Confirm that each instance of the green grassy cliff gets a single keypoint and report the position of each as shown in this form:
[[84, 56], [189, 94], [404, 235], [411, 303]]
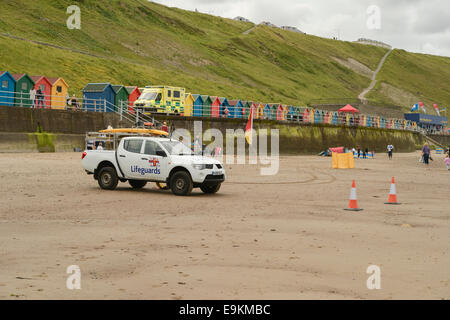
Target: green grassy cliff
[[139, 43]]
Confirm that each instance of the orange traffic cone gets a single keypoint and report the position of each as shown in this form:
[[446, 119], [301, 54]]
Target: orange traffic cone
[[353, 203], [392, 194]]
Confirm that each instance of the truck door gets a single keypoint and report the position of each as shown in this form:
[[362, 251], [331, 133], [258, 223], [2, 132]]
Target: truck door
[[129, 157], [154, 162]]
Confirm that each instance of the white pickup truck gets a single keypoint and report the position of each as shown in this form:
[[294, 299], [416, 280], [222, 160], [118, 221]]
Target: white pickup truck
[[139, 160]]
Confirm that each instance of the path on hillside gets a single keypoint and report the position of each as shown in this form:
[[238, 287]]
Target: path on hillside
[[249, 30], [363, 94]]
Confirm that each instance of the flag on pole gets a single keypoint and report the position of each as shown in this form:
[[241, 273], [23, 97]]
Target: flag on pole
[[249, 127], [437, 109], [422, 106], [415, 107]]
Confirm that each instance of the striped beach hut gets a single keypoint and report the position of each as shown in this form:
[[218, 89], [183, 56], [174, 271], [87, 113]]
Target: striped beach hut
[[260, 111], [197, 107], [7, 88], [290, 112], [236, 107], [267, 111], [273, 110], [41, 82], [362, 120], [215, 107], [296, 114], [306, 115], [280, 112], [326, 117], [24, 84], [285, 111], [245, 111], [335, 118], [207, 105], [224, 107], [188, 104], [59, 93], [317, 116]]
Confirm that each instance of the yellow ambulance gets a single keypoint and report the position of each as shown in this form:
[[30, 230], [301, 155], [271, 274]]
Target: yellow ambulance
[[161, 99]]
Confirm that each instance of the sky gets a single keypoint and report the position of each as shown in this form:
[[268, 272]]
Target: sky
[[414, 25]]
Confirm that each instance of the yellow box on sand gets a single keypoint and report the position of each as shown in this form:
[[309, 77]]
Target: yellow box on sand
[[342, 160]]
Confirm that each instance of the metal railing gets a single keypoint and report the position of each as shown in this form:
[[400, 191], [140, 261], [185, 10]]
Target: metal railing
[[276, 112]]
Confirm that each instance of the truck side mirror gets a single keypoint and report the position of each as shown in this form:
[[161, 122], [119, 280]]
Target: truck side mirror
[[161, 153]]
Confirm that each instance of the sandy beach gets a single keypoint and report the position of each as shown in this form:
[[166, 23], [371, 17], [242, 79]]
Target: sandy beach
[[280, 237]]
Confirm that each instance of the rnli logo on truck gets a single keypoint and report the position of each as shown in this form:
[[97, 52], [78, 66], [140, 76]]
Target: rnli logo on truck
[[154, 162]]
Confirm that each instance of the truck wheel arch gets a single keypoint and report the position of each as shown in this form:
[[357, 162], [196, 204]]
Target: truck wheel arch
[[176, 169], [101, 165]]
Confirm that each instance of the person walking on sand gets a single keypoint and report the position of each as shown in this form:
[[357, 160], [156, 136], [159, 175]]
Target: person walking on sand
[[447, 162], [390, 148], [426, 154]]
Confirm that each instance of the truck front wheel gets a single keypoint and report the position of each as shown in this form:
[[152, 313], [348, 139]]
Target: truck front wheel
[[210, 189], [137, 184], [181, 183], [107, 178]]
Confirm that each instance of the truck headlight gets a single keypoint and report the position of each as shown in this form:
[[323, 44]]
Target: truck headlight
[[199, 166]]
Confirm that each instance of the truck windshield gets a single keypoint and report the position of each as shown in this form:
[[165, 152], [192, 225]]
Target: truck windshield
[[148, 96], [176, 148]]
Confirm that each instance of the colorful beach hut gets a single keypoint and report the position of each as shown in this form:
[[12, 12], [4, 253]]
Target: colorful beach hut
[[41, 82], [290, 113], [260, 111], [207, 105], [197, 107], [306, 115], [24, 84], [120, 97], [98, 97], [59, 93], [279, 113], [224, 107], [285, 112], [7, 89], [188, 105], [317, 116], [335, 118], [236, 107], [215, 107], [245, 111], [326, 117], [273, 111], [267, 111]]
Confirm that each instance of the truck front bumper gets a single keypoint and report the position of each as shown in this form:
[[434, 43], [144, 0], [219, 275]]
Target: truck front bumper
[[214, 179]]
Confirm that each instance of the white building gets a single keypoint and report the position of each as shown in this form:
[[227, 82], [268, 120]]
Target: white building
[[374, 43], [269, 24], [294, 29], [239, 18]]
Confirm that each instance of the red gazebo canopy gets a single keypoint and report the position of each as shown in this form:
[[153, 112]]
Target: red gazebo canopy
[[348, 109]]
